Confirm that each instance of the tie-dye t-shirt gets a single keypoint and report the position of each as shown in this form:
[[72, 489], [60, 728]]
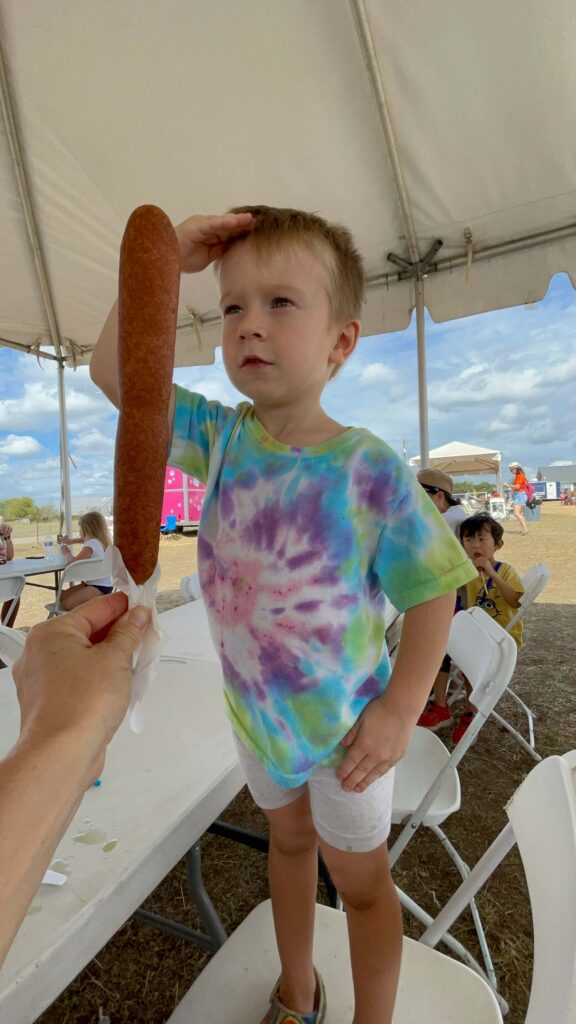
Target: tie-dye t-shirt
[[297, 548]]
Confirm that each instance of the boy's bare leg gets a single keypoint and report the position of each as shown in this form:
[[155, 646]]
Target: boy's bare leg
[[293, 875], [374, 928]]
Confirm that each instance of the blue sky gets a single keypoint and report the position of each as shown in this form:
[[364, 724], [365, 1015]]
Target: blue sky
[[503, 380]]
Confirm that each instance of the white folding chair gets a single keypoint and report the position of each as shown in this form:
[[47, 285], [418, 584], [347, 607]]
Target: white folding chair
[[234, 987], [534, 580], [85, 571], [427, 787], [10, 589], [11, 644], [190, 587]]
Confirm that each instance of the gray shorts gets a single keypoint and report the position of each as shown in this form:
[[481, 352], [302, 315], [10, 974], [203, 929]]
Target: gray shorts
[[354, 822]]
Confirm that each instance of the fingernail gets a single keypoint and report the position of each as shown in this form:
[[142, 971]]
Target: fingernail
[[139, 616]]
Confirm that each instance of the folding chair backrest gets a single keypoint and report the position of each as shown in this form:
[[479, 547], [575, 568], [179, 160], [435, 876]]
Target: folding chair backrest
[[11, 644], [485, 653], [11, 586], [543, 816], [190, 587], [534, 580], [85, 570], [10, 589]]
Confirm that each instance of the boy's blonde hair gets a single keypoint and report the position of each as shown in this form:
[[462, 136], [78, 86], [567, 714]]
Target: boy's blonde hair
[[332, 242], [94, 527]]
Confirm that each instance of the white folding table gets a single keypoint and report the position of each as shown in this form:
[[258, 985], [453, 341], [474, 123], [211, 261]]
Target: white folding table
[[160, 791], [35, 566]]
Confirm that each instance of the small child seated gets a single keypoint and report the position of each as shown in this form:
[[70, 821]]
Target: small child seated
[[95, 538], [497, 589]]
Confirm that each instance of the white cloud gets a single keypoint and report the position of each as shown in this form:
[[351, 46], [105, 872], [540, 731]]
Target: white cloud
[[37, 408], [375, 374], [20, 446], [561, 462], [92, 442]]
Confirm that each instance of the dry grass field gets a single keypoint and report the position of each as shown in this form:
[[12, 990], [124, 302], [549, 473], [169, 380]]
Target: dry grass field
[[141, 974]]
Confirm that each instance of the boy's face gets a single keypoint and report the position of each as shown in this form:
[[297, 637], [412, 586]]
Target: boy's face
[[481, 546], [278, 342]]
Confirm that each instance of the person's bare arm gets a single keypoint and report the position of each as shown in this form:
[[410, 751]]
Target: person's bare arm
[[82, 555], [202, 240], [64, 733], [380, 737]]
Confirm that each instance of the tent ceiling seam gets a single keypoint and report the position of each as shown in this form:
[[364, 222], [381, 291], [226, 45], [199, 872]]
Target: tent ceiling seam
[[18, 164], [369, 52]]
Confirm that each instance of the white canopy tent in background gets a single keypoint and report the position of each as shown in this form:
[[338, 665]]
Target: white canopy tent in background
[[458, 458], [441, 133]]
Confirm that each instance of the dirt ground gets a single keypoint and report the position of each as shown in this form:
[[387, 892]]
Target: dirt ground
[[141, 974]]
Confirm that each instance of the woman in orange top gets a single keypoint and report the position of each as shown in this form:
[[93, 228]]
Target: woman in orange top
[[520, 495]]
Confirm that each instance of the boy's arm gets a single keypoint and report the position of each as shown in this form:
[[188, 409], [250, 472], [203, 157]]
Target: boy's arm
[[510, 595], [202, 240], [380, 737]]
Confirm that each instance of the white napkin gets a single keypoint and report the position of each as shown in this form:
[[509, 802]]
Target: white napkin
[[147, 655], [54, 878]]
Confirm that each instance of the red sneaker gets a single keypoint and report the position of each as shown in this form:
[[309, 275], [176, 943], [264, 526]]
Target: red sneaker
[[466, 718], [435, 717]]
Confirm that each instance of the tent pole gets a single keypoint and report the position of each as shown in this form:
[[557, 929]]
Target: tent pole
[[422, 382], [64, 456]]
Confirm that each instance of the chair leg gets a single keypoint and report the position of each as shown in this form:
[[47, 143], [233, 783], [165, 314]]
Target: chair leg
[[513, 732], [464, 872], [529, 715], [464, 954]]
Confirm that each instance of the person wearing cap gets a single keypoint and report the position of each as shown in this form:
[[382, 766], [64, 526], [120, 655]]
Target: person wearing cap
[[519, 486], [439, 487]]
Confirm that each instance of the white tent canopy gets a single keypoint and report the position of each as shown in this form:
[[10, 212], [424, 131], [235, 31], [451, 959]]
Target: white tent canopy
[[458, 458], [441, 133]]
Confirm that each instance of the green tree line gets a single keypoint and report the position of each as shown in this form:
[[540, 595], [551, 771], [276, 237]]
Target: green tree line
[[473, 485], [13, 509]]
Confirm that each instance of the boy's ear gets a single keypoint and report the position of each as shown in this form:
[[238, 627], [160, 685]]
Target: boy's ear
[[346, 342], [498, 544]]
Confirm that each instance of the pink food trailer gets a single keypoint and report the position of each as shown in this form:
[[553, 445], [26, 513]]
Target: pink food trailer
[[183, 498]]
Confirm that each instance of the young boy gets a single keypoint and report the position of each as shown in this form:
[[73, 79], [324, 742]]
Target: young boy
[[497, 587], [306, 525]]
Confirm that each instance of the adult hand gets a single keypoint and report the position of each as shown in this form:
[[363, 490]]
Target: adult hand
[[75, 673], [376, 742], [203, 239]]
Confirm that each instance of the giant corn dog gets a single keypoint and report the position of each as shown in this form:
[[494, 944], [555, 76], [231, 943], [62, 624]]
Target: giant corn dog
[[147, 313]]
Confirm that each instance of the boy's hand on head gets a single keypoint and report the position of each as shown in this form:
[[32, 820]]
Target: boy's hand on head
[[376, 742], [203, 239]]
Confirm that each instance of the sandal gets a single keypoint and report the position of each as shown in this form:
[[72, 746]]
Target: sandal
[[280, 1014]]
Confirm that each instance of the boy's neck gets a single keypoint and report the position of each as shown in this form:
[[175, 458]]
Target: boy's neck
[[297, 426]]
